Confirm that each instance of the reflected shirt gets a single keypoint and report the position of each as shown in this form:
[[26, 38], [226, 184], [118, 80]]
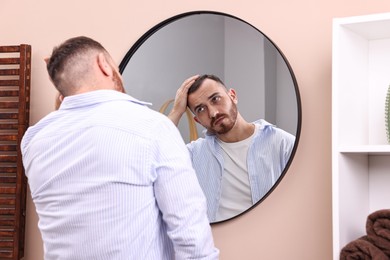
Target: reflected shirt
[[267, 157], [112, 179], [235, 189]]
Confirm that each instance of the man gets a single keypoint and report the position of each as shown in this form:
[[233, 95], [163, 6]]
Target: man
[[237, 162], [110, 178]]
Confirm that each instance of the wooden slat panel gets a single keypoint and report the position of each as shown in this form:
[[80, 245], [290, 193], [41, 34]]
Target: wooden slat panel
[[7, 221], [14, 120], [8, 147], [24, 116], [7, 211], [6, 254], [7, 189], [8, 104], [10, 137], [4, 61], [15, 48], [8, 169], [6, 242], [6, 233], [8, 158], [9, 115], [9, 83], [24, 92], [6, 251], [8, 93], [7, 200], [9, 72], [7, 179], [8, 124]]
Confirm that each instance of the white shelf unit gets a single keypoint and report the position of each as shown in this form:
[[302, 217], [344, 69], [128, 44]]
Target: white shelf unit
[[360, 152]]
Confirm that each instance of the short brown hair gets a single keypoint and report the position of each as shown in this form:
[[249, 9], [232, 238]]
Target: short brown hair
[[67, 53], [198, 82]]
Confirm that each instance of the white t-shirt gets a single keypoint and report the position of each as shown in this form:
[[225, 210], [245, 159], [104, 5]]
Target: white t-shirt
[[236, 192]]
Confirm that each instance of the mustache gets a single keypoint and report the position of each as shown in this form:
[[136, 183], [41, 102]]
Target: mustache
[[216, 118]]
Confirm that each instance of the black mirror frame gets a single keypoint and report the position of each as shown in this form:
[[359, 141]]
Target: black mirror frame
[[162, 24]]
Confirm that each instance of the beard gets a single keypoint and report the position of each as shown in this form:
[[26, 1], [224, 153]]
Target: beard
[[224, 127]]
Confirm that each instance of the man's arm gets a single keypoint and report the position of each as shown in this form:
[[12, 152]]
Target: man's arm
[[180, 198], [180, 105]]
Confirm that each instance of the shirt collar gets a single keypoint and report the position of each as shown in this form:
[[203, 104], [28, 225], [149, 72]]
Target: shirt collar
[[95, 97]]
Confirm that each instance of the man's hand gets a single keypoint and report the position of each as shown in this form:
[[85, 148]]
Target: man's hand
[[180, 105]]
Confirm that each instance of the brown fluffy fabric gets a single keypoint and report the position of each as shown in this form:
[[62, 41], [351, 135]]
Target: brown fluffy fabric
[[378, 229], [362, 249]]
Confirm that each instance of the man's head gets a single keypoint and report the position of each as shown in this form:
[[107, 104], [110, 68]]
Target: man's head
[[214, 106], [79, 62]]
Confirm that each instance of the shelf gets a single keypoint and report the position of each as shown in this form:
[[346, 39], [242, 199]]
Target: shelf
[[360, 151], [373, 27], [366, 149]]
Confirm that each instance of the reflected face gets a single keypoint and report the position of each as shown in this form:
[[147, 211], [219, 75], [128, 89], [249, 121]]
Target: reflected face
[[214, 107]]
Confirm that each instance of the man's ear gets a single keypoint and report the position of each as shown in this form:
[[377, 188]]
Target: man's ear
[[196, 119], [103, 64], [46, 60], [59, 99], [233, 95]]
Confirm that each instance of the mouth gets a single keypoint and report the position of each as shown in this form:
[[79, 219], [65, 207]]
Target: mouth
[[218, 120]]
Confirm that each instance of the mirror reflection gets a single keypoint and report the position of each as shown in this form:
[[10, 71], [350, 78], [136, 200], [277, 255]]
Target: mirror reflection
[[247, 117]]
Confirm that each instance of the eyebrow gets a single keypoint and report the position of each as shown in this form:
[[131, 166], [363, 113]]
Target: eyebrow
[[210, 97]]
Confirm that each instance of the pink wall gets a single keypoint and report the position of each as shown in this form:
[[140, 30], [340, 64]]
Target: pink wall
[[294, 222]]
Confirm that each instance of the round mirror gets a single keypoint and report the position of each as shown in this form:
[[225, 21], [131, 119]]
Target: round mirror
[[244, 58]]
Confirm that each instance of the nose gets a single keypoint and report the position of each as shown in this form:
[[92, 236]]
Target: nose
[[213, 112]]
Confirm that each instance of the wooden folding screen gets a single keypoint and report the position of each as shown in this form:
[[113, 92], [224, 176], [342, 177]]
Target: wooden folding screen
[[15, 73]]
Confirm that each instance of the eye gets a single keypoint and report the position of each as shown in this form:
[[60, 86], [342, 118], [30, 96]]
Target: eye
[[216, 99], [199, 110]]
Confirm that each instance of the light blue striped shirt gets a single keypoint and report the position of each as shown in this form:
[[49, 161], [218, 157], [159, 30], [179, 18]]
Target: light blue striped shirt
[[268, 155], [112, 179]]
